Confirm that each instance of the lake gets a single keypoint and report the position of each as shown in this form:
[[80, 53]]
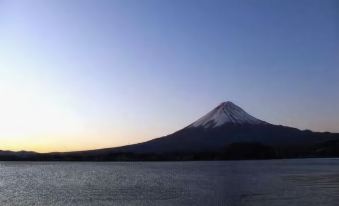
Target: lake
[[267, 182]]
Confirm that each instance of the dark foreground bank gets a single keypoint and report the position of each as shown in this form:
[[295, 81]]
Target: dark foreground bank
[[235, 151]]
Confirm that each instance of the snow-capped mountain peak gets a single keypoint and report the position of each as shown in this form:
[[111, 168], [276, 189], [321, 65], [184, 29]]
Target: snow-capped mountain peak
[[226, 113]]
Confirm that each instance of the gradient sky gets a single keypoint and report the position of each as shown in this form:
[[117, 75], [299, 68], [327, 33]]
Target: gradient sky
[[77, 74]]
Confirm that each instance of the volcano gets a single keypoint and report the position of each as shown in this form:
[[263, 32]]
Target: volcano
[[226, 127], [226, 132]]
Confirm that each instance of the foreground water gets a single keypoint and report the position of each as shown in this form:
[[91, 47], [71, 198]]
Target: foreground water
[[272, 182]]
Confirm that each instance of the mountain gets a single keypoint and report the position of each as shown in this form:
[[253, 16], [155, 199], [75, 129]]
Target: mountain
[[225, 125], [226, 132]]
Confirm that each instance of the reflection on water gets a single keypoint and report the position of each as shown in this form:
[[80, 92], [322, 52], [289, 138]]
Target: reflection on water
[[260, 183]]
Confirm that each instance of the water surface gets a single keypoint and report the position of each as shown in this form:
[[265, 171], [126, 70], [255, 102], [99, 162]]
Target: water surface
[[257, 183]]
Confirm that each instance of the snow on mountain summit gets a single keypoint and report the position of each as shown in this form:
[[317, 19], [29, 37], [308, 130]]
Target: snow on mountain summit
[[226, 113]]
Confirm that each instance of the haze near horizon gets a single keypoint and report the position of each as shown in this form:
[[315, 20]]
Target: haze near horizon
[[78, 75]]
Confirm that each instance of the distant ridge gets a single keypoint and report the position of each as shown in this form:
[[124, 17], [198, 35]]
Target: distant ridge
[[226, 132]]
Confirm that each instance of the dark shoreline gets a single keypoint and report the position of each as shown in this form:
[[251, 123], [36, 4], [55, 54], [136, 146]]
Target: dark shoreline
[[235, 151]]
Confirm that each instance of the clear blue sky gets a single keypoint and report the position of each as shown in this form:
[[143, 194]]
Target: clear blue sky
[[87, 74]]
